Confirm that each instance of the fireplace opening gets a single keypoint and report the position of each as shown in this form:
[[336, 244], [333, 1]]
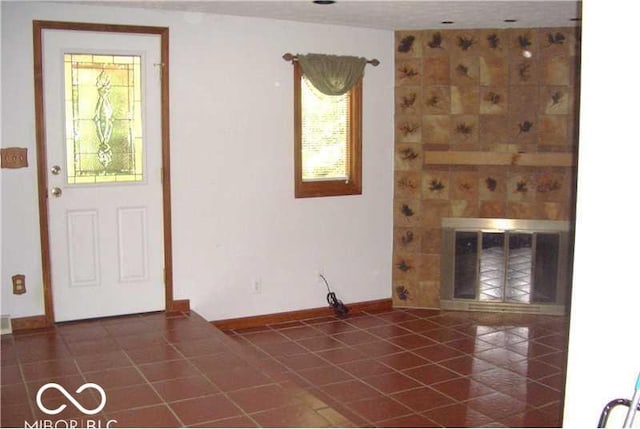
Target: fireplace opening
[[505, 265]]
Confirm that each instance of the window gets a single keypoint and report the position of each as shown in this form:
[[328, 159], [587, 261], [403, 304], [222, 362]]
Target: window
[[103, 118], [328, 129]]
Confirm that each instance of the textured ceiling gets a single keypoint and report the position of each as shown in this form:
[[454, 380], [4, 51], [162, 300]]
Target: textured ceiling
[[389, 15]]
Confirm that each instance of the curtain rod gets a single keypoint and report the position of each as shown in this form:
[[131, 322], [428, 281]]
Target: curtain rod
[[290, 57]]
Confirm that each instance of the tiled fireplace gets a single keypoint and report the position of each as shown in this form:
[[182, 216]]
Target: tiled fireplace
[[511, 265], [485, 128]]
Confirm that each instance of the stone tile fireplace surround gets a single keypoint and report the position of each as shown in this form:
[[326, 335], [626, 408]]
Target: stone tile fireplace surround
[[483, 130]]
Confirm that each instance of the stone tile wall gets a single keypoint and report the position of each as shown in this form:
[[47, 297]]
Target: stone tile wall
[[474, 91]]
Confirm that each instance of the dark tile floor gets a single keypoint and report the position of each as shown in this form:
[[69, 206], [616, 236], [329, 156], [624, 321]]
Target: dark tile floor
[[417, 368]]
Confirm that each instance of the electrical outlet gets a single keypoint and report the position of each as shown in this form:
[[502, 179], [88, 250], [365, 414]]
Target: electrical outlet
[[19, 286], [256, 286]]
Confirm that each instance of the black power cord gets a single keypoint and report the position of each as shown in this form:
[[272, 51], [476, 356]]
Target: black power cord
[[340, 309]]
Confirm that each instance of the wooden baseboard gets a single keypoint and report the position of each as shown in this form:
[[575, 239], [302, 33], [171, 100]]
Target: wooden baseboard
[[291, 316], [29, 323], [179, 306]]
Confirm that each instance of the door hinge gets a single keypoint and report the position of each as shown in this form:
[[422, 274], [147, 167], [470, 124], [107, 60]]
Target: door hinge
[[160, 69]]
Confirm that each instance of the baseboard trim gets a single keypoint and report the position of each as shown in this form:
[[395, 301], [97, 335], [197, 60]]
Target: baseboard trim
[[29, 323], [179, 306], [291, 316]]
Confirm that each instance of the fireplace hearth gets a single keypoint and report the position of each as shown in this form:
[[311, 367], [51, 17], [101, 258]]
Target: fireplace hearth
[[505, 265]]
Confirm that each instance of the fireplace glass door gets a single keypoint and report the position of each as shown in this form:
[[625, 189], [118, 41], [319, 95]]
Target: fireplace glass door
[[512, 267]]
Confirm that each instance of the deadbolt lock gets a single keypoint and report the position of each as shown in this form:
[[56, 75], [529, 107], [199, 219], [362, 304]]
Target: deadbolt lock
[[55, 170]]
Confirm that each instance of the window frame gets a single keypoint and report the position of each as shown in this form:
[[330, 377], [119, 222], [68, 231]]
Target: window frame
[[330, 188]]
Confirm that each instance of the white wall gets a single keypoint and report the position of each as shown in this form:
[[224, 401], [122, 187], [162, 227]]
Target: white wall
[[4, 285], [234, 215], [604, 346]]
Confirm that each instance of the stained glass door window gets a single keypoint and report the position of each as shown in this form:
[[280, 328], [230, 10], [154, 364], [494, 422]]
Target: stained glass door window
[[103, 118]]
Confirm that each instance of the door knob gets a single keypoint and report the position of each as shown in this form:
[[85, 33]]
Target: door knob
[[56, 192], [55, 170]]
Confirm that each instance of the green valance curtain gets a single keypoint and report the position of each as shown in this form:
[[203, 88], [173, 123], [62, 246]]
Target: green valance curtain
[[332, 74]]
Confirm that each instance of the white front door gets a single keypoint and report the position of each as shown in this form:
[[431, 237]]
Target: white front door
[[102, 116]]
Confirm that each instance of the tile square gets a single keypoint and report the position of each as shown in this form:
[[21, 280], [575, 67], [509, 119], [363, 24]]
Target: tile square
[[96, 346], [462, 388], [350, 391], [16, 394], [284, 348], [123, 328], [418, 325], [125, 398], [137, 341], [188, 333], [324, 375], [342, 355], [231, 422], [301, 332], [379, 408], [15, 416], [184, 388], [469, 345], [403, 360], [365, 321], [533, 369], [167, 370], [364, 368], [68, 382], [396, 315], [467, 365], [201, 347], [378, 349], [410, 421], [532, 418], [422, 399], [458, 415], [238, 378], [437, 352], [334, 327], [154, 353], [316, 344], [355, 337], [429, 374], [262, 398], [10, 374], [302, 361], [444, 334], [265, 337], [103, 361], [556, 381], [204, 409], [290, 416], [219, 362], [388, 331], [500, 356], [411, 341], [116, 377], [499, 378], [48, 369], [154, 416], [497, 405]]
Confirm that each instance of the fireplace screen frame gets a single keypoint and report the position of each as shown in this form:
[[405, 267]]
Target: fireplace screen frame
[[508, 227]]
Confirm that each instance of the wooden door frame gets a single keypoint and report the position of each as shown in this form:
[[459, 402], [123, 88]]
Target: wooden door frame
[[171, 305]]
